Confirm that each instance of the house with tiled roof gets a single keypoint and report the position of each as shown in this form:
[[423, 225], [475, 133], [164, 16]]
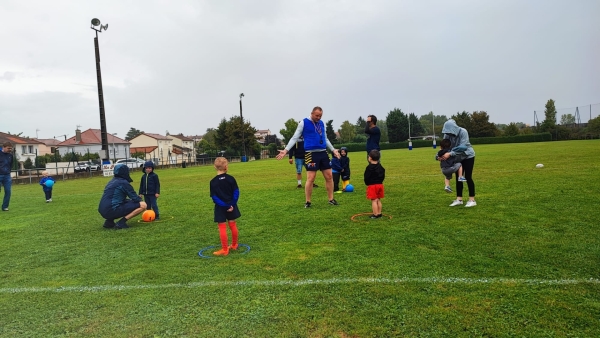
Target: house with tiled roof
[[23, 148], [155, 147], [90, 141], [48, 146], [183, 146]]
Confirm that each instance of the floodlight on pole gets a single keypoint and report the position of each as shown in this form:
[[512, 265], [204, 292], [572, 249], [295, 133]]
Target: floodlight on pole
[[104, 153], [243, 139]]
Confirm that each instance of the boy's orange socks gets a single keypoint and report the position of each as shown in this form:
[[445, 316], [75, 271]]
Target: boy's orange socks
[[222, 252], [234, 235]]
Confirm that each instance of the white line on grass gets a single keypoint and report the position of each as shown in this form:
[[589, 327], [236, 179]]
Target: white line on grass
[[430, 280]]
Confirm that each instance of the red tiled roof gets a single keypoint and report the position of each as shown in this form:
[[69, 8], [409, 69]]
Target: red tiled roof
[[17, 139], [157, 136], [144, 150], [92, 136]]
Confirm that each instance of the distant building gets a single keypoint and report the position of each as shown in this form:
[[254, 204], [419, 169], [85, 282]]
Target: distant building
[[90, 141], [23, 148], [261, 135]]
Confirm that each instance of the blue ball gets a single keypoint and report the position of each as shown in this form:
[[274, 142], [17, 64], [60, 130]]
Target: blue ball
[[349, 188], [49, 183]]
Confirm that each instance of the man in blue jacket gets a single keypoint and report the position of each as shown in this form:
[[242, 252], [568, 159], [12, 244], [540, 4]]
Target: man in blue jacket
[[120, 200], [312, 129], [6, 163]]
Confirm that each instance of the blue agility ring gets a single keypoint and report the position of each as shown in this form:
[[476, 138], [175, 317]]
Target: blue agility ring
[[202, 255]]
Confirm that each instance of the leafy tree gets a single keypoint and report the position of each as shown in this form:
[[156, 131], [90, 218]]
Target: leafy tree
[[330, 132], [207, 144], [362, 138], [481, 125], [397, 126], [550, 117], [567, 119], [229, 136], [133, 133], [28, 164], [428, 124], [593, 126], [347, 132], [511, 129], [463, 120], [290, 129], [360, 125], [271, 139], [416, 128]]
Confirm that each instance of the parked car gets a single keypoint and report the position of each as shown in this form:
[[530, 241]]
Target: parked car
[[132, 162], [95, 166], [82, 166]]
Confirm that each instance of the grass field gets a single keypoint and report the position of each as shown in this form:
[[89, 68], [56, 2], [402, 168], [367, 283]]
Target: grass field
[[524, 262]]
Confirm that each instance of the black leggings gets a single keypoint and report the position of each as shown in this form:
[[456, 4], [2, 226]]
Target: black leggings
[[467, 167]]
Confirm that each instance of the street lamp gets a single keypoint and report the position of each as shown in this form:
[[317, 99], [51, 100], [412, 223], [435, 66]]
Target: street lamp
[[114, 151], [105, 154], [243, 139]]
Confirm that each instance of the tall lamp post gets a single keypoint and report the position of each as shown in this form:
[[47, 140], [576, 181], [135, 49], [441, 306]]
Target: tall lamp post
[[104, 153], [243, 139]]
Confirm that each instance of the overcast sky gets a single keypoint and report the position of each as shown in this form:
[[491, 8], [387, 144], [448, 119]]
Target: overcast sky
[[181, 65]]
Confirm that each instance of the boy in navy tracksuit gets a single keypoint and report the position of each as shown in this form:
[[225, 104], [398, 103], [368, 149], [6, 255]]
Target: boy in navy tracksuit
[[150, 188], [120, 200], [47, 187]]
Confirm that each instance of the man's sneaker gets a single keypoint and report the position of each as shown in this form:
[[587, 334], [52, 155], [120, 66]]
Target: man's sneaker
[[221, 252], [456, 202], [315, 186], [379, 216], [470, 204], [233, 247], [109, 224], [333, 202], [299, 186], [307, 205], [121, 225], [448, 189], [462, 179], [373, 216]]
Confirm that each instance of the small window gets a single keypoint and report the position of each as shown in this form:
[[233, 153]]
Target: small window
[[31, 149], [24, 149]]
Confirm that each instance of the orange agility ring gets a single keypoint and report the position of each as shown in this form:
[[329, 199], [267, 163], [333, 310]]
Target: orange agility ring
[[367, 214], [148, 216]]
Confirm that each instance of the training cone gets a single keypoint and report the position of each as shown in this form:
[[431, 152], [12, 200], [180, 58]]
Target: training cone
[[148, 216]]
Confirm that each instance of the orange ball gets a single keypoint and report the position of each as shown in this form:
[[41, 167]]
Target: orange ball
[[148, 216]]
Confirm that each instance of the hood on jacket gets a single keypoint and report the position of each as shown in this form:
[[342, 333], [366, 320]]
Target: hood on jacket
[[344, 149], [122, 171], [149, 164], [450, 127]]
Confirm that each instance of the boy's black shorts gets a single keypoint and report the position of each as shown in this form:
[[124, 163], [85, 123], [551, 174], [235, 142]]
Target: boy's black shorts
[[222, 215]]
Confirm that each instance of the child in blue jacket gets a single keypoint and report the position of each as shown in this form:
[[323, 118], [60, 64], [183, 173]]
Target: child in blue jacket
[[150, 188], [47, 187]]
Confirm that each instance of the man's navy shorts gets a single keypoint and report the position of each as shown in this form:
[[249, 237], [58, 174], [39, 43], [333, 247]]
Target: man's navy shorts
[[317, 160]]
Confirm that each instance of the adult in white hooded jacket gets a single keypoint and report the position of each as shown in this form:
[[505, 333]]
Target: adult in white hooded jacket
[[464, 153]]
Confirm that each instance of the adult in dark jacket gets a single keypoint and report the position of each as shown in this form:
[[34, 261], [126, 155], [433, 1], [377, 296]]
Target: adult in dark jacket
[[150, 188], [6, 163], [373, 134], [120, 200]]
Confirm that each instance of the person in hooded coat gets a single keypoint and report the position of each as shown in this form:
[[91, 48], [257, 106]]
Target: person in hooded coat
[[150, 188], [464, 154], [119, 200]]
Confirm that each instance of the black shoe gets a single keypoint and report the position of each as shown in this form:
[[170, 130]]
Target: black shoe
[[299, 186], [373, 216], [379, 216], [307, 205], [315, 186], [333, 202], [121, 225], [108, 224]]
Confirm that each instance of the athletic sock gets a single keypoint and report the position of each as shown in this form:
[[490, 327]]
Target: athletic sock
[[234, 234], [223, 235], [299, 182]]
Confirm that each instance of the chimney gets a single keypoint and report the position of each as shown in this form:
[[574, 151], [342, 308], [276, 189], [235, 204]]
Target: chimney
[[77, 135]]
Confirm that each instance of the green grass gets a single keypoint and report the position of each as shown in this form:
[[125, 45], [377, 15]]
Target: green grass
[[524, 262]]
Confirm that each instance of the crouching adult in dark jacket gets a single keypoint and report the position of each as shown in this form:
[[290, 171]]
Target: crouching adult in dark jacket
[[120, 200]]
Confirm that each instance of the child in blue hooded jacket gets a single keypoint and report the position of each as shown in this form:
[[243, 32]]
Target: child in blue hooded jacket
[[150, 188], [340, 168], [47, 187]]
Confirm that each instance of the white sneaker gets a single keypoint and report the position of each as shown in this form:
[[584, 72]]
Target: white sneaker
[[456, 202], [470, 204]]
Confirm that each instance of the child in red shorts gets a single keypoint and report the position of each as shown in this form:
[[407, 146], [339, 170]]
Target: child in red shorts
[[374, 176]]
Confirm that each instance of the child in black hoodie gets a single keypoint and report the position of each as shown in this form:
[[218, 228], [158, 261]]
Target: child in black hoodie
[[374, 176], [150, 188]]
